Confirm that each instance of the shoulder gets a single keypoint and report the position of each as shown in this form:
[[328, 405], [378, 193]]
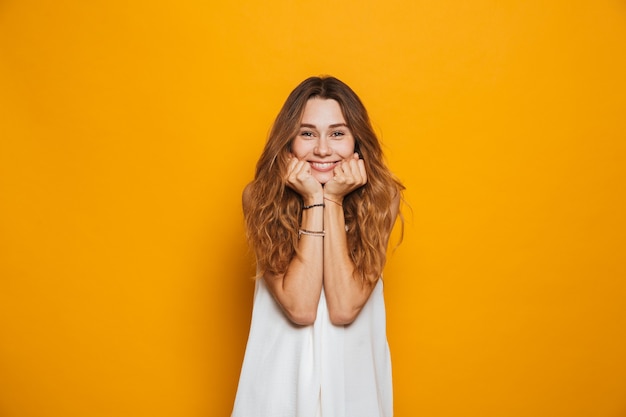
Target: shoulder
[[396, 196], [396, 201], [246, 197]]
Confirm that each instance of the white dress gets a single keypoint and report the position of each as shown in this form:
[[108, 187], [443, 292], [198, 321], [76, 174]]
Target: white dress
[[317, 370]]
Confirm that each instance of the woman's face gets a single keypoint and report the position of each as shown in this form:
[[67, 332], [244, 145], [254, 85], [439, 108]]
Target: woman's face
[[323, 139]]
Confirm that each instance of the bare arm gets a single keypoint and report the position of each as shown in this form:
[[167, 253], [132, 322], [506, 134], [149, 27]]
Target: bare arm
[[346, 292], [298, 290]]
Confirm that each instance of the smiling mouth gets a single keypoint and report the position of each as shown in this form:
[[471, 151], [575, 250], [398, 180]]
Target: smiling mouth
[[322, 166]]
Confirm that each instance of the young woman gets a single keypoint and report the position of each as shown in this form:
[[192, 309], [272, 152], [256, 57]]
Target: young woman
[[318, 214]]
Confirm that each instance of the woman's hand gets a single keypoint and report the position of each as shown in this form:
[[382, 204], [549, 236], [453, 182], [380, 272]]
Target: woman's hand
[[349, 175], [301, 180]]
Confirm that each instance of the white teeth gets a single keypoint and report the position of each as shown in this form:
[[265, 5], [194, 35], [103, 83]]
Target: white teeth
[[320, 165]]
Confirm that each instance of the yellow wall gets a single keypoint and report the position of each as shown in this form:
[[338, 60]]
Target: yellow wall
[[127, 132]]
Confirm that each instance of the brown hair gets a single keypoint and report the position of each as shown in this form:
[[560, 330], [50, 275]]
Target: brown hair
[[274, 211]]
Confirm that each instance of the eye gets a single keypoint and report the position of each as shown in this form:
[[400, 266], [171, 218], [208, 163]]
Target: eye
[[306, 134], [337, 134]]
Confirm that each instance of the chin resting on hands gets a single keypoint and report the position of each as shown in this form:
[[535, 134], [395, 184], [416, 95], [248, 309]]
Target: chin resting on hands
[[301, 179], [348, 176]]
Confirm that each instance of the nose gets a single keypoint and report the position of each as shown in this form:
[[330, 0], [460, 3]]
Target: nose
[[323, 148]]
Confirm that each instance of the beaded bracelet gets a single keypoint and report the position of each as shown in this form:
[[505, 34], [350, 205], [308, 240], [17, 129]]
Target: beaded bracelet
[[310, 233], [313, 205]]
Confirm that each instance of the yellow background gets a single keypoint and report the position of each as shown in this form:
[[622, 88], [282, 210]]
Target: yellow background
[[128, 130]]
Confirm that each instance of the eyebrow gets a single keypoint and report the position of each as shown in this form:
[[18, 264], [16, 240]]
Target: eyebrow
[[333, 126]]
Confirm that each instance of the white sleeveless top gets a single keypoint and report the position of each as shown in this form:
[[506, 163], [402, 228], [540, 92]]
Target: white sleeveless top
[[317, 370]]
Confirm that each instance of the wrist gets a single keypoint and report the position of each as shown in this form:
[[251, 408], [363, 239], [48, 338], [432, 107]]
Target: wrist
[[313, 199], [335, 200]]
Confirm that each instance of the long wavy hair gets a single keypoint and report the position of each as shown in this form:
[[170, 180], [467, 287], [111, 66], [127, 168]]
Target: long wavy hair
[[274, 210]]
